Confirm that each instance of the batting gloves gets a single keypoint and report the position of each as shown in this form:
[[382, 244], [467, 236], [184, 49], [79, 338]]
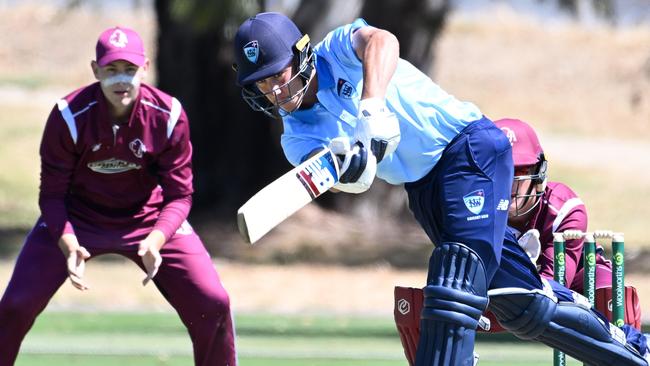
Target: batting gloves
[[377, 127], [357, 166]]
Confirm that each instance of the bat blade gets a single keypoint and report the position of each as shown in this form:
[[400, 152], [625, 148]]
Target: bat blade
[[286, 195]]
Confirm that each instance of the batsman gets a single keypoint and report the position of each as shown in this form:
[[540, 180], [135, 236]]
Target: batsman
[[353, 94]]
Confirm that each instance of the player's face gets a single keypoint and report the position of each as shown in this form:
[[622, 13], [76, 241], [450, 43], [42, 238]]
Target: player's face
[[522, 189], [120, 81], [283, 89]]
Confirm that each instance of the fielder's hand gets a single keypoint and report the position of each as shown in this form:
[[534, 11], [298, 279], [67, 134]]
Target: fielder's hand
[[357, 166], [377, 127], [529, 241], [76, 256], [149, 251]]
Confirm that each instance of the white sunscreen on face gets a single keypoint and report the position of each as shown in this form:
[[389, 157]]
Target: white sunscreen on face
[[121, 78]]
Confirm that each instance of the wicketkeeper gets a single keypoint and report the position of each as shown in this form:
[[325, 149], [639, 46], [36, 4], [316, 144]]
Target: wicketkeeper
[[541, 207], [116, 177], [353, 93]]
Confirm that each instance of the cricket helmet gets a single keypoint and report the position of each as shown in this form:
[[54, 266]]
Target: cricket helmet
[[527, 152], [266, 44]]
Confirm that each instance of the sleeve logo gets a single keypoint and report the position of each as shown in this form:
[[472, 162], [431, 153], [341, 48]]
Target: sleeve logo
[[344, 89]]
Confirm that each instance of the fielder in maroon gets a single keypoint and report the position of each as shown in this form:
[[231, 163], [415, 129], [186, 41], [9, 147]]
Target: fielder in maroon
[[116, 177]]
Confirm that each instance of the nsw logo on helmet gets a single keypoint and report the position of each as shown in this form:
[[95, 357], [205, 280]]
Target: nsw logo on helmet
[[252, 51]]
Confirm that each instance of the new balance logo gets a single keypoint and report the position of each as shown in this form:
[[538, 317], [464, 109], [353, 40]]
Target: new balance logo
[[503, 205]]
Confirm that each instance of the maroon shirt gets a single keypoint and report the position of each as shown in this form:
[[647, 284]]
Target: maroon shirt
[[98, 176], [559, 210]]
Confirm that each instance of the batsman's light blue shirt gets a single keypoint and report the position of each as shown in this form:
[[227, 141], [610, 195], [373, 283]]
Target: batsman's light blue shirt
[[429, 118]]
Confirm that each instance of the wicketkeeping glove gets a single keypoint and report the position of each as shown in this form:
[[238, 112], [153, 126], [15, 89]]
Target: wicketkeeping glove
[[377, 127], [357, 166], [529, 241]]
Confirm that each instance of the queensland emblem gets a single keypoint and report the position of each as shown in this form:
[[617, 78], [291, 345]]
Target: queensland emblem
[[510, 134], [138, 148], [118, 39]]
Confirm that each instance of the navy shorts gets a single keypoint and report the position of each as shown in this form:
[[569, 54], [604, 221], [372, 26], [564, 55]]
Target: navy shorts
[[465, 199]]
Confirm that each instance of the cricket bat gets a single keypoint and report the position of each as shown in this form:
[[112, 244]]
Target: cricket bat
[[286, 195]]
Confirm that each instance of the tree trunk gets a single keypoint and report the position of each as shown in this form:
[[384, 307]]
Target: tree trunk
[[236, 150], [416, 23]]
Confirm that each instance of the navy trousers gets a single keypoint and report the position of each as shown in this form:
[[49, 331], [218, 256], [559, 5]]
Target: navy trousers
[[465, 199]]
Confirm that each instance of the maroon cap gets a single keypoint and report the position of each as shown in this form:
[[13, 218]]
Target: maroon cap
[[525, 144], [119, 43]]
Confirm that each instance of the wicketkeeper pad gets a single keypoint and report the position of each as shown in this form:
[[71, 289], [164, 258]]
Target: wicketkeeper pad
[[571, 328], [603, 304]]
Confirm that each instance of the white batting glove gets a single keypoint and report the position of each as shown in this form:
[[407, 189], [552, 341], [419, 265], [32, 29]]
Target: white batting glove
[[529, 241], [377, 127], [357, 166]]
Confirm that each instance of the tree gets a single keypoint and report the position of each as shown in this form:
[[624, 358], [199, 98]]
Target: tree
[[418, 35], [236, 150]]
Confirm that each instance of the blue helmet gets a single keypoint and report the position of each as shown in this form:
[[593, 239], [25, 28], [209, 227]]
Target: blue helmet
[[264, 45]]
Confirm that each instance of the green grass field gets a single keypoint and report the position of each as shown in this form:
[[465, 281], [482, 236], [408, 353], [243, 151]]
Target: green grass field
[[160, 339]]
